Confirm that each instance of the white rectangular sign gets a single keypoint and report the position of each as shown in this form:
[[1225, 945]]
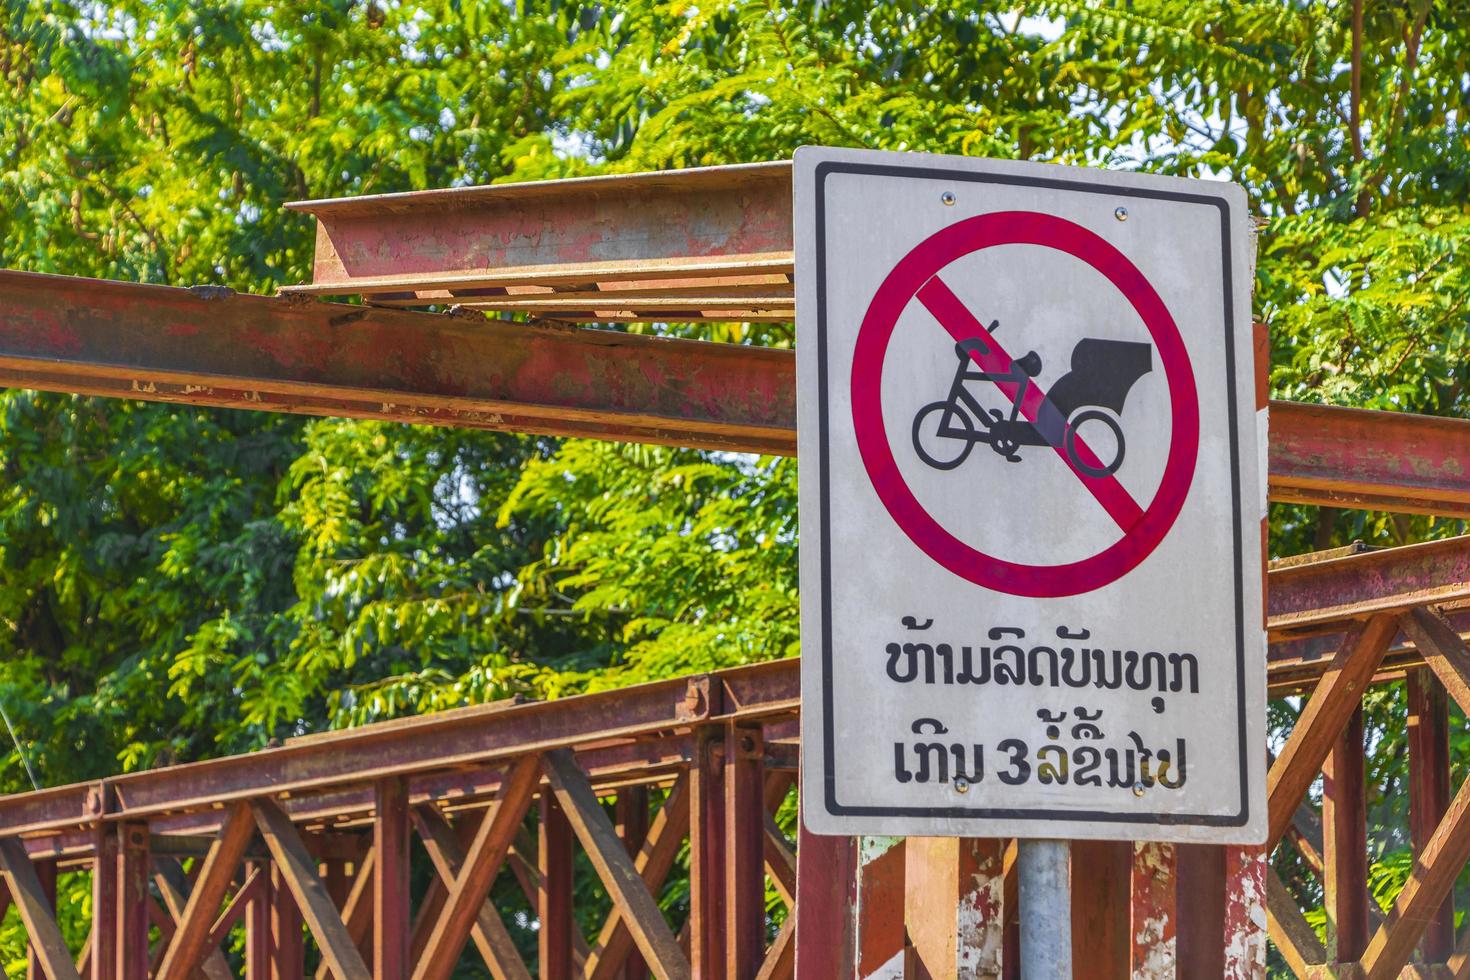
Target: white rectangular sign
[[1032, 486]]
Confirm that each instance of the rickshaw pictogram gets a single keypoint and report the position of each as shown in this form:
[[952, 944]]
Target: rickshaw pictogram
[[1091, 394]]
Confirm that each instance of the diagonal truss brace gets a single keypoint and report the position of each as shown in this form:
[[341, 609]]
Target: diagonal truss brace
[[298, 870], [1448, 848], [1337, 695], [496, 946], [613, 865], [482, 863], [187, 952], [36, 912], [654, 860]]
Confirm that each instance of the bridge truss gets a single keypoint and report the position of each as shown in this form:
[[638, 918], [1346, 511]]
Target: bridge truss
[[307, 850]]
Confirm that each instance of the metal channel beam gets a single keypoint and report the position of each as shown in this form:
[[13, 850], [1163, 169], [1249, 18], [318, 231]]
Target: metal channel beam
[[1323, 596], [216, 348], [1294, 666], [1313, 599], [1369, 460], [411, 746], [709, 243], [213, 347], [663, 241]]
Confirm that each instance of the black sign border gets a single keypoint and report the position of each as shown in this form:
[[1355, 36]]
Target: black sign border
[[829, 780]]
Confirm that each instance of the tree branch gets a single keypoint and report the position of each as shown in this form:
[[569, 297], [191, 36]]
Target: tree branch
[[1355, 104]]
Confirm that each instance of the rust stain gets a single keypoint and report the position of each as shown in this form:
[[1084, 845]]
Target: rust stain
[[1153, 912], [981, 923], [1245, 913], [880, 907]]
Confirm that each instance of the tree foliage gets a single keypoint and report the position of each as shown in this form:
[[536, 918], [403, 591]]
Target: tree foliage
[[180, 583]]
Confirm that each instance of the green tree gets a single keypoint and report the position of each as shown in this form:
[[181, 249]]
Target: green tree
[[231, 558], [178, 583]]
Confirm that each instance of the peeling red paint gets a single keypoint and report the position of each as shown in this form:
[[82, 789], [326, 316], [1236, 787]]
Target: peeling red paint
[[1154, 920], [880, 907], [1245, 913], [60, 333], [1315, 596]]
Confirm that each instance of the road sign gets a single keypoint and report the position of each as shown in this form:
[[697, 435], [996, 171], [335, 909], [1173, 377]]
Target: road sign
[[1032, 481]]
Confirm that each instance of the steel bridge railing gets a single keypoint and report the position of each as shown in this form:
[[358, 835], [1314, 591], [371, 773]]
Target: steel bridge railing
[[305, 851]]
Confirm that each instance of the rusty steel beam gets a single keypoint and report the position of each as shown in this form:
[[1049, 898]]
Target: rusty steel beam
[[214, 347], [185, 834], [628, 732], [1323, 596], [644, 730], [1295, 666], [1430, 790], [1312, 600], [679, 244], [622, 732], [410, 746], [737, 210], [1345, 843], [710, 237], [1366, 460]]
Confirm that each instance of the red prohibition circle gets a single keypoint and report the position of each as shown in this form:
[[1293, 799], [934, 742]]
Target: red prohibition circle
[[916, 268]]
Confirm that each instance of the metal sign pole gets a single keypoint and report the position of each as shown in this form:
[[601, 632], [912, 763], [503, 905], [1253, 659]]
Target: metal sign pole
[[1046, 909]]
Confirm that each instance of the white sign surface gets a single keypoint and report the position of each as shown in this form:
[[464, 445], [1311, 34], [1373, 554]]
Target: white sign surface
[[1032, 486]]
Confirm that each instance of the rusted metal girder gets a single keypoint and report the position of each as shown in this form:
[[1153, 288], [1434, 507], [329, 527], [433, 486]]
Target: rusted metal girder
[[642, 732], [715, 243], [1323, 596], [1294, 666], [1367, 460], [213, 347], [712, 243], [1312, 600], [456, 740]]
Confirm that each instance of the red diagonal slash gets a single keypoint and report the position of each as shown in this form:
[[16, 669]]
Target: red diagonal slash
[[961, 324]]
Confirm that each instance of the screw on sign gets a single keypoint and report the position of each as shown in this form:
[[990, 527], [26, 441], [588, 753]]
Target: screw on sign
[[1031, 487]]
